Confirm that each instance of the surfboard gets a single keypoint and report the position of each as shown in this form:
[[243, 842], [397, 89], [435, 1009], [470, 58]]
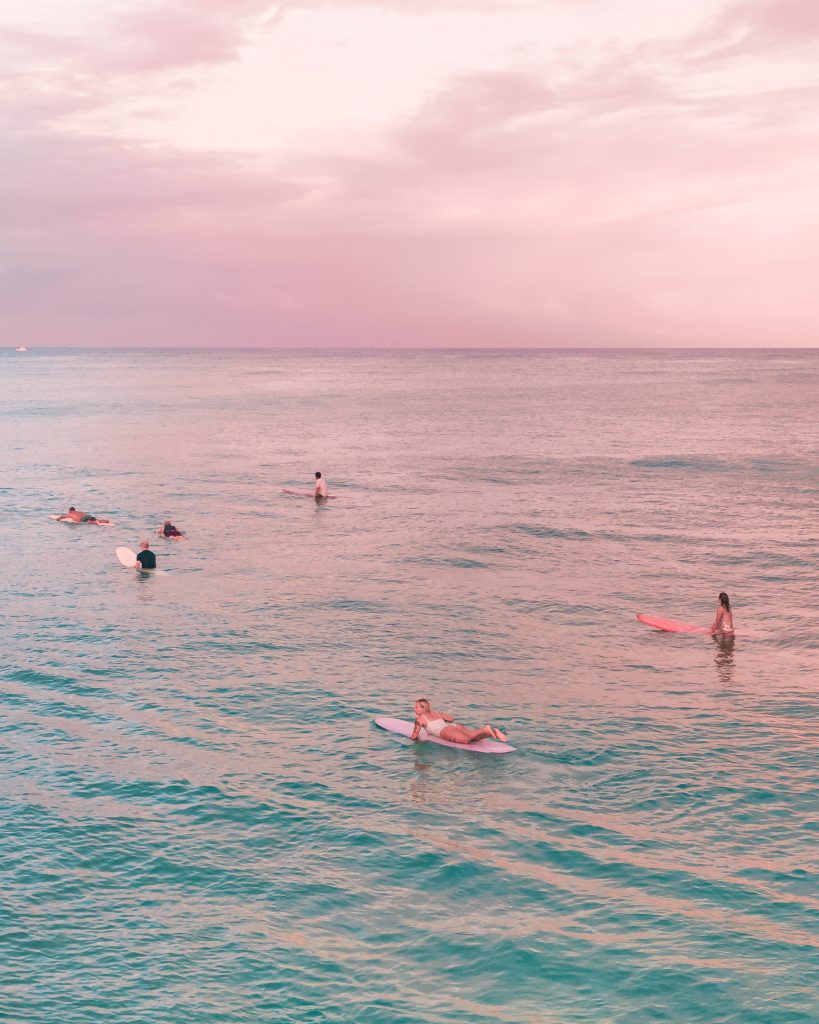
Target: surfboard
[[127, 557], [671, 625], [403, 728], [71, 522], [306, 494]]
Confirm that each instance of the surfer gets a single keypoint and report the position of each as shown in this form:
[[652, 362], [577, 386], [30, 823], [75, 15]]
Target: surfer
[[321, 487], [445, 727], [169, 530], [146, 559], [74, 516], [724, 621]]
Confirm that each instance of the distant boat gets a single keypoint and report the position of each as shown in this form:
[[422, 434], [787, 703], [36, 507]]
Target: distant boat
[[22, 348]]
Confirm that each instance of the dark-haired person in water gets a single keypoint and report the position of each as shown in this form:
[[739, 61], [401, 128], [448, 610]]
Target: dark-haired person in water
[[724, 621], [73, 516], [170, 531], [445, 727], [321, 487]]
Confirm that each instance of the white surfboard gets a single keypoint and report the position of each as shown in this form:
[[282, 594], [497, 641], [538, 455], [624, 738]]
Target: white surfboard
[[72, 522], [404, 728], [127, 557]]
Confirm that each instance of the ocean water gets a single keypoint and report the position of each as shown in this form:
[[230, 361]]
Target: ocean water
[[199, 823]]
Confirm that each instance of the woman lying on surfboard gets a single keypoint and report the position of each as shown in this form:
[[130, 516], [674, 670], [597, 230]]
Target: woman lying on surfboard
[[724, 622], [446, 728]]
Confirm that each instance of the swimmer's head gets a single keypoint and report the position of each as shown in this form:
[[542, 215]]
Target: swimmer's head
[[422, 706], [167, 522], [144, 545], [318, 475], [723, 600], [72, 509]]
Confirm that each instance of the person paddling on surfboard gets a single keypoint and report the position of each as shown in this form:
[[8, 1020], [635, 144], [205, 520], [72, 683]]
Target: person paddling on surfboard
[[445, 727], [724, 621], [146, 559], [321, 487], [170, 531], [73, 516]]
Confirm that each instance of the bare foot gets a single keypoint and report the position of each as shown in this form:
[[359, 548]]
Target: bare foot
[[499, 735]]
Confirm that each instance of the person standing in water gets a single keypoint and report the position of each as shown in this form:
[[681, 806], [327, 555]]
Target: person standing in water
[[724, 621], [146, 559], [321, 487]]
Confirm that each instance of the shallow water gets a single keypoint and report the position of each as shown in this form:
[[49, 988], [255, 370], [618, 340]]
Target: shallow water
[[200, 824]]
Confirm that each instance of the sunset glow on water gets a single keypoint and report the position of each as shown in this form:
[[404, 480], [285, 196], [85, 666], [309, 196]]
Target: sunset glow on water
[[199, 822]]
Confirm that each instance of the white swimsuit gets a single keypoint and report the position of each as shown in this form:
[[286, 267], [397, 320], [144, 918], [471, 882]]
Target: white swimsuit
[[435, 725]]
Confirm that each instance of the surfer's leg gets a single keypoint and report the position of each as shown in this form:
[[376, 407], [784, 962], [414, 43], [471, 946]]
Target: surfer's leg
[[458, 734]]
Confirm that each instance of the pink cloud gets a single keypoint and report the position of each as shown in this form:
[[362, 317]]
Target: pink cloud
[[747, 27], [614, 201]]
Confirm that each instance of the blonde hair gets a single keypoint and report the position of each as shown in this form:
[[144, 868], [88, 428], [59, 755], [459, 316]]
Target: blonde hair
[[424, 703]]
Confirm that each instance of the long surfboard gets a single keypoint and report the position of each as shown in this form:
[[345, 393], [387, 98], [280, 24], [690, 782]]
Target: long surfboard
[[403, 728], [72, 522], [306, 494], [671, 625]]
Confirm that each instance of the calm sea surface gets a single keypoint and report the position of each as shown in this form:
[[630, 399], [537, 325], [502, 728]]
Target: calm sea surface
[[199, 823]]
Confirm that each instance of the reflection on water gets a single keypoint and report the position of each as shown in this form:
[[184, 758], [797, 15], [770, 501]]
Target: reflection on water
[[146, 591], [724, 657], [194, 800]]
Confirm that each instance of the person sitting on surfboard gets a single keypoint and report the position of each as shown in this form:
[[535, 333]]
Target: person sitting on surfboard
[[321, 486], [446, 728], [169, 530], [73, 516], [724, 622], [146, 559]]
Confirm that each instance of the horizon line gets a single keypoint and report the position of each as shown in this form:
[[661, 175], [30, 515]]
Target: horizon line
[[600, 349]]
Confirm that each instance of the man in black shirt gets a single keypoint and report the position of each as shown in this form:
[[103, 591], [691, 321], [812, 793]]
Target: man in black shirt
[[146, 559]]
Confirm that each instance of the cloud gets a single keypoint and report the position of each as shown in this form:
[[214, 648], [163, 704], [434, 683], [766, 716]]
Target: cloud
[[756, 27], [141, 39], [618, 200]]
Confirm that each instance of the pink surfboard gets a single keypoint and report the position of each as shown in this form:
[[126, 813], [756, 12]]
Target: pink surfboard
[[305, 494], [402, 728], [671, 625]]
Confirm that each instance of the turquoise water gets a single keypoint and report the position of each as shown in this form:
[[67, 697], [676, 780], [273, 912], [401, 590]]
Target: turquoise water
[[199, 823]]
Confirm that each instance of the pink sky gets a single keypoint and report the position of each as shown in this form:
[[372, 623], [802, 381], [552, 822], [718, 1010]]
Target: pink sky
[[409, 172]]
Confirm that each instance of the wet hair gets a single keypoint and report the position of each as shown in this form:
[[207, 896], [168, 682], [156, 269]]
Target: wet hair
[[723, 600], [72, 509], [318, 474], [424, 703]]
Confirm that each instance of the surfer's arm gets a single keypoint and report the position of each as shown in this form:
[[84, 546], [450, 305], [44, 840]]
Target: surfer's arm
[[446, 718], [416, 731], [716, 623]]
